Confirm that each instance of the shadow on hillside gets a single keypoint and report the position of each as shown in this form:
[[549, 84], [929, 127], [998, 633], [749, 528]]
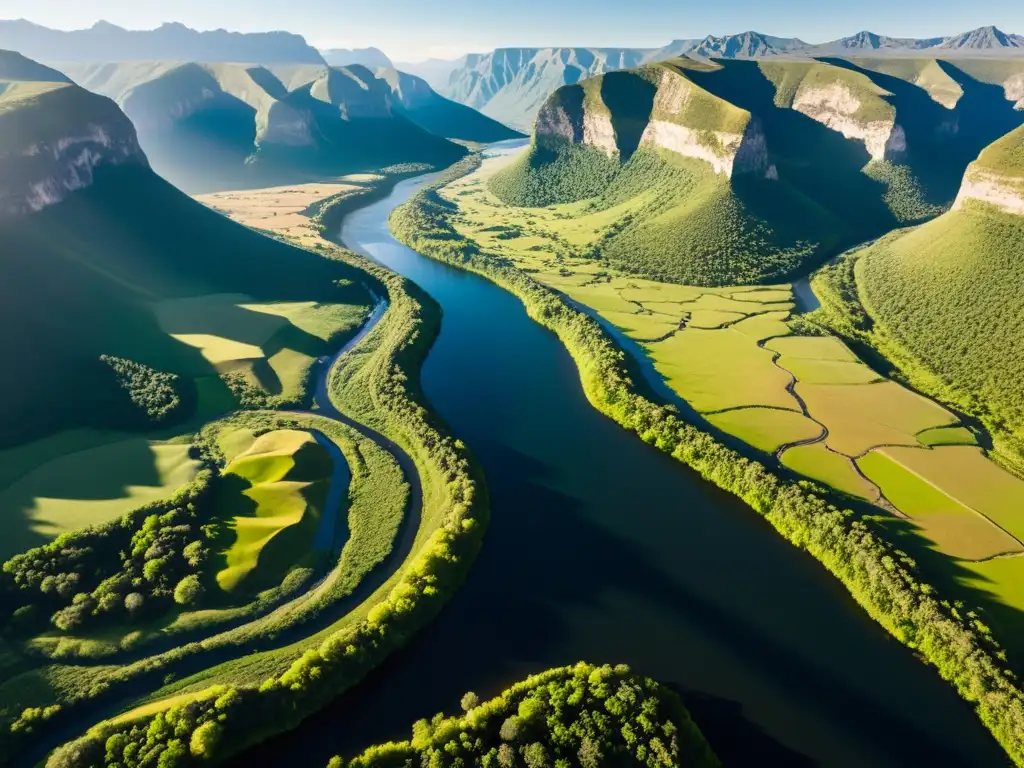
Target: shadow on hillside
[[941, 142], [630, 100], [819, 162]]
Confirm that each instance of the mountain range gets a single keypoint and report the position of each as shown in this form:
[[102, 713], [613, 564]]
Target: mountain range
[[169, 42], [510, 84]]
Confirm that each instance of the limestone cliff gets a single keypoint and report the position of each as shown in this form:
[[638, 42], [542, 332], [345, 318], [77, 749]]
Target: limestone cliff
[[838, 107], [53, 138], [681, 118], [997, 176]]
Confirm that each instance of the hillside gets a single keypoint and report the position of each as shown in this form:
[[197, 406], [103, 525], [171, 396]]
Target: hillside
[[948, 293], [511, 84], [416, 100], [761, 168], [123, 301], [218, 126], [172, 42]]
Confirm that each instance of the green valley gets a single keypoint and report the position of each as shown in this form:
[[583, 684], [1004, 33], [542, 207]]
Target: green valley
[[333, 402]]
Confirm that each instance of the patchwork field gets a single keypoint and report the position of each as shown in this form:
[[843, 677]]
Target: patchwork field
[[273, 509], [733, 354]]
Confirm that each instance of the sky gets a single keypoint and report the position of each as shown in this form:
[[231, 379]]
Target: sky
[[412, 30]]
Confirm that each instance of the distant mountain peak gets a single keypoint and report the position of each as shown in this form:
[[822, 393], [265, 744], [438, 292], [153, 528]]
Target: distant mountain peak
[[983, 38]]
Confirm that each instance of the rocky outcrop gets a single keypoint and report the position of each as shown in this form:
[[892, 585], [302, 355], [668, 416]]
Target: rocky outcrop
[[65, 136], [1014, 89], [1005, 193], [836, 107]]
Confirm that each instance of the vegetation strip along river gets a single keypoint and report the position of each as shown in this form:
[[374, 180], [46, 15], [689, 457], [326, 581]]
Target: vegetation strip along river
[[603, 548]]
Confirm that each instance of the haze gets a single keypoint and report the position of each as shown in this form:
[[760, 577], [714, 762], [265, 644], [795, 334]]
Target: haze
[[412, 30]]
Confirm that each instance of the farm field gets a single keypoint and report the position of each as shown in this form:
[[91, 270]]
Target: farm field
[[733, 354]]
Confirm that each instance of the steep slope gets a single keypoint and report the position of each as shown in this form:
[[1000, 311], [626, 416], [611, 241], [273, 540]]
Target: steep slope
[[171, 42], [748, 45], [113, 283], [761, 167], [371, 58], [511, 84], [217, 126], [414, 98], [949, 292]]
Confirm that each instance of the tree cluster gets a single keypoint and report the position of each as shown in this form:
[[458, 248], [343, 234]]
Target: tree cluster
[[582, 716], [153, 392], [131, 568]]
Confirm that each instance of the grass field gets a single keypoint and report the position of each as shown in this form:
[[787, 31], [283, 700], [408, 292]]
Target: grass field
[[954, 528], [273, 511], [84, 478], [767, 429], [829, 468]]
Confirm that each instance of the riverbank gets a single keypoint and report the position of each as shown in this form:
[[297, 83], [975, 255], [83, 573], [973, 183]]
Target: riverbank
[[375, 381], [874, 573]]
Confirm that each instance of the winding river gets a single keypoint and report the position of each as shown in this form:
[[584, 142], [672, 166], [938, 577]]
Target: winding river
[[603, 548]]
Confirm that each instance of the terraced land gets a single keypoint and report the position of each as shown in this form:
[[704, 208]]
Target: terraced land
[[735, 356]]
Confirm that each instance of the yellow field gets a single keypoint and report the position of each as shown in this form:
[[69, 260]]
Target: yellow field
[[715, 370], [767, 429], [819, 463], [955, 529], [860, 417], [968, 476]]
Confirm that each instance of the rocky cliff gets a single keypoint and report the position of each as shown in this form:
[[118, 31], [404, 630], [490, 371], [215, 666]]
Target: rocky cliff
[[53, 137], [997, 176], [680, 117], [839, 108]]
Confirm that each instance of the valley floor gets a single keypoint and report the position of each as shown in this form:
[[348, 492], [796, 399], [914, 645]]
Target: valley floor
[[744, 364]]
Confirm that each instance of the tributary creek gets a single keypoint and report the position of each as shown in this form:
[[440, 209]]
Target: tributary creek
[[601, 548]]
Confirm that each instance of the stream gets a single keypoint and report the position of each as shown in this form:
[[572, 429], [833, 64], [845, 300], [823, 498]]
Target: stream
[[602, 548]]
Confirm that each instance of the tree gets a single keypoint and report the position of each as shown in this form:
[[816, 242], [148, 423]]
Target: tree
[[536, 756], [204, 740], [506, 756], [470, 701], [133, 602], [188, 591], [510, 729]]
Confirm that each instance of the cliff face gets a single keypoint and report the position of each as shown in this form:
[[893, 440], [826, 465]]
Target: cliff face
[[54, 138], [997, 176], [837, 107], [682, 118]]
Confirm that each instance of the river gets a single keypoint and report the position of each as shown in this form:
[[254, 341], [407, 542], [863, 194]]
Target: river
[[602, 548]]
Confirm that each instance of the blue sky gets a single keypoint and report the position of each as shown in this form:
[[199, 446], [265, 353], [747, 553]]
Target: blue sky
[[410, 30]]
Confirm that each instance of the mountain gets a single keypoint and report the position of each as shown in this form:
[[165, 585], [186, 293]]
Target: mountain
[[216, 126], [170, 42], [748, 45], [371, 58], [416, 100], [948, 294], [113, 284], [510, 84], [435, 71], [740, 171], [871, 43], [982, 39]]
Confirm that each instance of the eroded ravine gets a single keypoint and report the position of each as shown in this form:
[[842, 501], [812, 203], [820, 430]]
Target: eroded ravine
[[603, 548]]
